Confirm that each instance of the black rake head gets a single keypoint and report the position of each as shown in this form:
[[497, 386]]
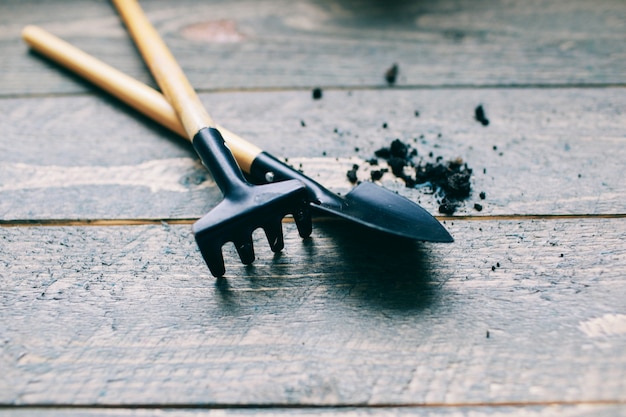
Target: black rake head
[[240, 214], [245, 207]]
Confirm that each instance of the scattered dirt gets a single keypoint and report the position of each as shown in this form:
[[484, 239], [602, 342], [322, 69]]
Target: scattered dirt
[[377, 174], [479, 114], [391, 74], [352, 177], [447, 207], [450, 181]]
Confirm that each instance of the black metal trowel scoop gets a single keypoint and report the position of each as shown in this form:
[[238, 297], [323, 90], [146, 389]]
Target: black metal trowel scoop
[[367, 204]]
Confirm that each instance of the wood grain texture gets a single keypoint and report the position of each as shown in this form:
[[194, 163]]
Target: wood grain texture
[[512, 312], [278, 44], [558, 151]]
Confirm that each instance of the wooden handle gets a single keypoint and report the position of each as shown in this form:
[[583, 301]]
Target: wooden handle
[[163, 66], [136, 94]]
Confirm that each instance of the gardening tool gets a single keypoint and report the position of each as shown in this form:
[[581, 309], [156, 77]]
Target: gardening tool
[[245, 207], [367, 204]]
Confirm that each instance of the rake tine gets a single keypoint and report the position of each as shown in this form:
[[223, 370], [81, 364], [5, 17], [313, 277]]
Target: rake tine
[[304, 222], [274, 233], [212, 255], [245, 249]]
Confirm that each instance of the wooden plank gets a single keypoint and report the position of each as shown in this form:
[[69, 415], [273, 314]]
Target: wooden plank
[[276, 44], [558, 151], [513, 312], [582, 410]]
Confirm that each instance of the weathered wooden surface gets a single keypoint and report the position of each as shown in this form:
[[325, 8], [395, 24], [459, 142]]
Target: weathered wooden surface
[[559, 151], [523, 314], [512, 312], [252, 44]]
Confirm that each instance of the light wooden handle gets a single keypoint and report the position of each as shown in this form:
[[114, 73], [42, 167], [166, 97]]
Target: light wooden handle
[[164, 68], [136, 94]]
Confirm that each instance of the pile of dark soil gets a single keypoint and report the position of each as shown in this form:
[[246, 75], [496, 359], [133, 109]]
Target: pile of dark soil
[[449, 180]]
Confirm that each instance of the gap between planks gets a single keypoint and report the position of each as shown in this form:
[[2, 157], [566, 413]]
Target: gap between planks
[[546, 86], [304, 406], [143, 222]]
